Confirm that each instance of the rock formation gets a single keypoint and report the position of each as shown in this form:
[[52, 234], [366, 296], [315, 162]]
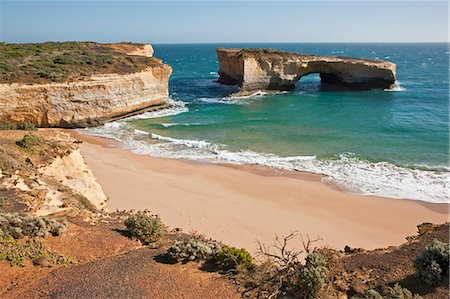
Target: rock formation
[[88, 102], [261, 69], [48, 174]]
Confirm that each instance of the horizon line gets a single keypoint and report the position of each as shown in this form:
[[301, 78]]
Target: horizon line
[[241, 42]]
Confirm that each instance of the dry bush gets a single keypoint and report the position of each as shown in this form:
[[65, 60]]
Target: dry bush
[[281, 271]]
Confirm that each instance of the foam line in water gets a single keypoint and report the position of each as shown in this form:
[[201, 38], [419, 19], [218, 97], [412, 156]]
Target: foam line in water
[[233, 100], [227, 101], [348, 171], [177, 107], [168, 125]]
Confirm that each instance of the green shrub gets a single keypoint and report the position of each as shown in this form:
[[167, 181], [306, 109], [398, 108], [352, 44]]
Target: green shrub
[[194, 249], [15, 252], [19, 226], [26, 126], [372, 294], [312, 276], [433, 263], [398, 292], [28, 141], [229, 258], [145, 227]]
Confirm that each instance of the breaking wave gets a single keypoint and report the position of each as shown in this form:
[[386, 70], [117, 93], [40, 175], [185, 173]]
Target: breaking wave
[[233, 100], [347, 170], [397, 87]]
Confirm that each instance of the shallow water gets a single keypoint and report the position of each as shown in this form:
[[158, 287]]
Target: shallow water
[[388, 143]]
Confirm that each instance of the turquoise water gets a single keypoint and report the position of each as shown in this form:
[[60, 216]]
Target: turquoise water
[[390, 143]]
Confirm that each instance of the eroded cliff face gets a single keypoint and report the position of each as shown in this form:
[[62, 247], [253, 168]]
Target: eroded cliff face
[[145, 50], [89, 102], [72, 172], [47, 174], [255, 70]]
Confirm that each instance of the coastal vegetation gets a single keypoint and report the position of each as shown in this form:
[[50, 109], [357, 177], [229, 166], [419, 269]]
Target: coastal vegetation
[[28, 141], [279, 271], [16, 252], [21, 239], [145, 227], [26, 126], [19, 226], [65, 61], [231, 258], [195, 248], [137, 251], [433, 264], [395, 292]]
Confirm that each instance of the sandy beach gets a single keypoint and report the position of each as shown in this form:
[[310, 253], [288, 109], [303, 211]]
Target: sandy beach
[[242, 204]]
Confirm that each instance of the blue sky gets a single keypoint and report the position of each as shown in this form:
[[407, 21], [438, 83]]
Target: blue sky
[[224, 21]]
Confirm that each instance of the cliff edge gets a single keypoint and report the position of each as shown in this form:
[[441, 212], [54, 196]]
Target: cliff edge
[[79, 84], [266, 69]]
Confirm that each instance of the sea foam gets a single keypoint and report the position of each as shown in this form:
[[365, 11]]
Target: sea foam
[[347, 170], [397, 87], [233, 100]]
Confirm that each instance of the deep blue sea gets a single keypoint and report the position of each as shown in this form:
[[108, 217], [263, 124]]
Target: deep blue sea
[[390, 143]]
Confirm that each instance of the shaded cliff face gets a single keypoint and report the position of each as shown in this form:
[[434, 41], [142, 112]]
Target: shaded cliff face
[[91, 101], [261, 69]]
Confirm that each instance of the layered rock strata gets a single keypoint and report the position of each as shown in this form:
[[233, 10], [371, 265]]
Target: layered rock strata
[[89, 102], [261, 69]]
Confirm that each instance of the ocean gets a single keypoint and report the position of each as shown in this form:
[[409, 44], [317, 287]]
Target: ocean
[[389, 143]]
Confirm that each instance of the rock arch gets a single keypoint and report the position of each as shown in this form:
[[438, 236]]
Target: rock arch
[[261, 69]]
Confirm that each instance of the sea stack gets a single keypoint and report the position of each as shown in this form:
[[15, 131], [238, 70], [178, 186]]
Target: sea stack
[[102, 82], [267, 69]]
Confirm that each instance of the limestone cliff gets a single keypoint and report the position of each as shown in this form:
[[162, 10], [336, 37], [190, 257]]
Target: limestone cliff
[[259, 69], [46, 174], [72, 172], [91, 101], [145, 50]]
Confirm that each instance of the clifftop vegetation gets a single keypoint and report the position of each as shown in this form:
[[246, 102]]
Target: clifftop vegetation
[[67, 61]]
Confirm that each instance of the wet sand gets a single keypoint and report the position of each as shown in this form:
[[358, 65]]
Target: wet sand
[[242, 204]]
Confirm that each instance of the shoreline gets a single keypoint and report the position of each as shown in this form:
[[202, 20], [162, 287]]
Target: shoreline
[[240, 204]]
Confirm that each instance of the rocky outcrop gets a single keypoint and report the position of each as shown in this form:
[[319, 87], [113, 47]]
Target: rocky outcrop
[[89, 102], [145, 50], [72, 172], [47, 175], [259, 69]]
